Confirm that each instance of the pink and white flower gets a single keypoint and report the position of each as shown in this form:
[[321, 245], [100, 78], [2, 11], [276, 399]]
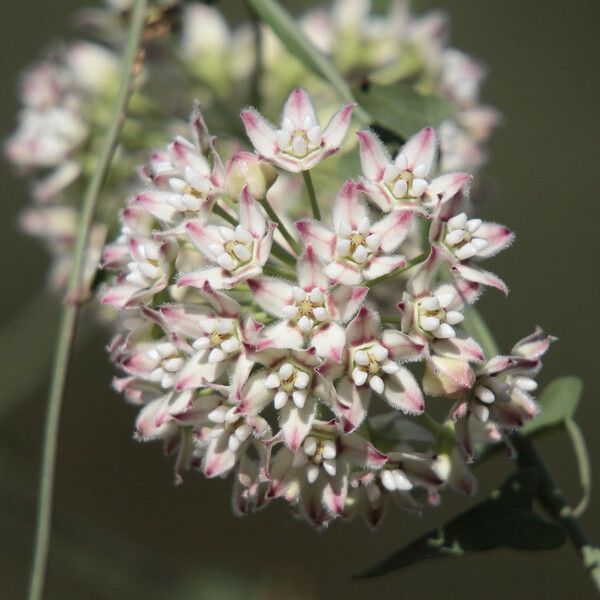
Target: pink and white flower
[[316, 475], [239, 252], [356, 250], [300, 143], [371, 363], [311, 312], [404, 181]]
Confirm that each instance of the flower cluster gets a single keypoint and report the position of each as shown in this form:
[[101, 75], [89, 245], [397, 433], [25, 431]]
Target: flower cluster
[[268, 351]]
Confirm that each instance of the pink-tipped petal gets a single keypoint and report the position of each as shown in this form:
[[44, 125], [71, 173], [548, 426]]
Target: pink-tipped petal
[[363, 328], [347, 207], [403, 392], [498, 238], [382, 265], [373, 155], [251, 216], [347, 300], [298, 107], [261, 133], [401, 347], [336, 129], [480, 276], [310, 271], [344, 272], [271, 294], [296, 422], [329, 341], [462, 348], [393, 229], [420, 149], [321, 239]]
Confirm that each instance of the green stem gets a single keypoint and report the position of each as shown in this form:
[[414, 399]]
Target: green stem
[[289, 238], [409, 265], [553, 501], [310, 188], [277, 272], [258, 51], [75, 295]]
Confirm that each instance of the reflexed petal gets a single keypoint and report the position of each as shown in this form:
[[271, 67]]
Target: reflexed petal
[[218, 459], [533, 346], [344, 272], [422, 281], [334, 133], [335, 492], [296, 422], [401, 347], [281, 335], [271, 294], [203, 237], [363, 328], [298, 107], [403, 392], [462, 348], [373, 155], [329, 341], [446, 187], [480, 276], [251, 216], [446, 376], [360, 452], [378, 194], [310, 271], [260, 132], [321, 239], [222, 303], [352, 404], [392, 229], [420, 149], [347, 207], [382, 265], [345, 301], [497, 236]]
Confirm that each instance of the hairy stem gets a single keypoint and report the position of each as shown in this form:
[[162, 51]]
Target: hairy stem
[[289, 238], [555, 504], [75, 295], [310, 188]]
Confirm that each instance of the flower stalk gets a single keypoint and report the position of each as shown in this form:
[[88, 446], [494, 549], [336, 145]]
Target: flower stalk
[[76, 294]]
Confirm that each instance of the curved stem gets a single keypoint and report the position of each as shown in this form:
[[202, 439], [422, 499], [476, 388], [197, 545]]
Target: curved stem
[[289, 238], [555, 504], [310, 188], [75, 296]]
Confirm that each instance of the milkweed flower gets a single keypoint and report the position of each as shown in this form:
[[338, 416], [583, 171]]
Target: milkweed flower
[[251, 358], [300, 143]]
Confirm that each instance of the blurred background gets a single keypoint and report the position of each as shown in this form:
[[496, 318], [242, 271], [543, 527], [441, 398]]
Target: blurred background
[[122, 530]]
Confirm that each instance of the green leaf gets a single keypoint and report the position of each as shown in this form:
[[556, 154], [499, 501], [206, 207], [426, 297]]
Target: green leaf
[[401, 110], [474, 326], [505, 519], [558, 402], [286, 29]]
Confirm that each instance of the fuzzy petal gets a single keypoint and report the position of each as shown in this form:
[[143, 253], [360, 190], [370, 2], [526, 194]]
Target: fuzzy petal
[[403, 392], [310, 271], [347, 207], [261, 133], [251, 216], [271, 294], [363, 328], [420, 149], [321, 239], [297, 107], [296, 422], [334, 133], [329, 341], [382, 265], [373, 155], [393, 229], [480, 276]]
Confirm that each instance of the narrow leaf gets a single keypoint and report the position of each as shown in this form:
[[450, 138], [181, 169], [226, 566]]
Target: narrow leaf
[[505, 519], [401, 110], [558, 402], [286, 29]]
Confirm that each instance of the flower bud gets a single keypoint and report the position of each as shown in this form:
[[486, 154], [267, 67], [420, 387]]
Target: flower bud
[[245, 168]]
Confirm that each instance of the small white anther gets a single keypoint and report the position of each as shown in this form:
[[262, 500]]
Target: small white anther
[[361, 358], [387, 480], [226, 233], [216, 355], [418, 187], [314, 135], [215, 249], [455, 237], [344, 229], [285, 371], [242, 252], [233, 443], [359, 376], [230, 345], [484, 394], [243, 431], [429, 323], [153, 354], [420, 171], [299, 398], [479, 243], [400, 188], [445, 298], [312, 472], [330, 467], [218, 414], [166, 349], [317, 296], [444, 331], [466, 251], [241, 235], [454, 317], [290, 311], [299, 146], [376, 384], [379, 352], [430, 303], [310, 445], [401, 161], [272, 381], [176, 184], [481, 411], [298, 293], [280, 399], [364, 226], [223, 326], [225, 261], [201, 343], [373, 241], [473, 225], [167, 381], [301, 380], [320, 313], [156, 375], [305, 323], [343, 246], [401, 481], [390, 367], [360, 254], [172, 365], [526, 383], [458, 221], [284, 139]]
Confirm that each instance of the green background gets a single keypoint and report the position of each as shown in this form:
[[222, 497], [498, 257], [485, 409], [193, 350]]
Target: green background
[[124, 531]]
